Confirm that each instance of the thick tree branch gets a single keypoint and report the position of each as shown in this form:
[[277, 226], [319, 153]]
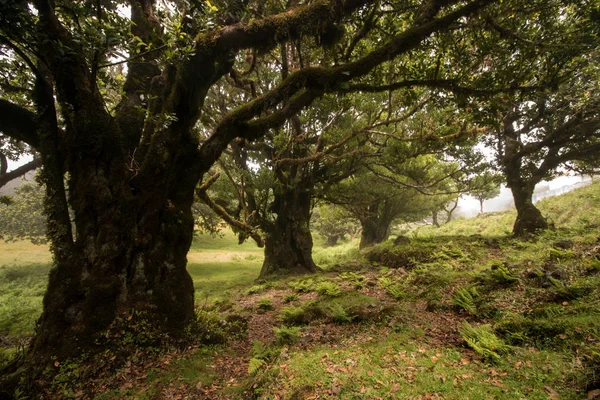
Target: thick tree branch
[[305, 85], [18, 123], [239, 225], [22, 170], [289, 25], [451, 85], [131, 111]]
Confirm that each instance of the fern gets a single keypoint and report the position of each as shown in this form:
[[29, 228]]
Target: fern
[[255, 365], [484, 341], [303, 286], [393, 288], [465, 298], [503, 276], [328, 288], [287, 334], [339, 314]]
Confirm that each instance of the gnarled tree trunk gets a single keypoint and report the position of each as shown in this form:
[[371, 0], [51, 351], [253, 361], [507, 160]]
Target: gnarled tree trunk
[[129, 254], [529, 219], [288, 241], [374, 231]]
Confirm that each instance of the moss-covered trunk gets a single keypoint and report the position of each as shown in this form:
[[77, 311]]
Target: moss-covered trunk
[[129, 254], [288, 241], [374, 231], [529, 219], [376, 223]]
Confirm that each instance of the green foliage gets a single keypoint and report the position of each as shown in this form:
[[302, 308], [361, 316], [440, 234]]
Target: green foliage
[[357, 281], [485, 186], [265, 305], [304, 285], [288, 298], [287, 335], [256, 289], [392, 287], [22, 218], [23, 288], [466, 297], [328, 288], [501, 275], [301, 315], [484, 341], [559, 255], [569, 292], [255, 364], [332, 222], [339, 314]]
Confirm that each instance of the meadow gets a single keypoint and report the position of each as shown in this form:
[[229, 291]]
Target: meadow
[[464, 311]]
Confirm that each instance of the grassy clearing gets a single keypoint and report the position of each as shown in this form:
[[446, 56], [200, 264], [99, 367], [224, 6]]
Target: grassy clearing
[[461, 312]]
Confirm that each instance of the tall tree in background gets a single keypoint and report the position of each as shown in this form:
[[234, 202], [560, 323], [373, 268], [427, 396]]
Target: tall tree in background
[[486, 187], [127, 139], [537, 133]]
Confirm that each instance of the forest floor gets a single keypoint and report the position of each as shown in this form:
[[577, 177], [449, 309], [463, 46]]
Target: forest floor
[[460, 312]]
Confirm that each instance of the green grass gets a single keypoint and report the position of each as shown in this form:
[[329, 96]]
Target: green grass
[[388, 323], [398, 366], [23, 289]]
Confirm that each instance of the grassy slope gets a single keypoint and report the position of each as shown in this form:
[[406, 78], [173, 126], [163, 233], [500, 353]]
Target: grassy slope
[[388, 326]]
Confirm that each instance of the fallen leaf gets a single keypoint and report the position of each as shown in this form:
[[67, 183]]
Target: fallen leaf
[[518, 364], [553, 394]]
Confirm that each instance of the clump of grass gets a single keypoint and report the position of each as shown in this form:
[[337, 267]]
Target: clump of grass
[[558, 254], [287, 335], [350, 307], [328, 288], [484, 341], [261, 356], [593, 266], [264, 305], [465, 297], [255, 365]]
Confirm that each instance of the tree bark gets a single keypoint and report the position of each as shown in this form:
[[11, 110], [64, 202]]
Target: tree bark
[[529, 219], [129, 255], [434, 218], [332, 239], [374, 231], [288, 241]]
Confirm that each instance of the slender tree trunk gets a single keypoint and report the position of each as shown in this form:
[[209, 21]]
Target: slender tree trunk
[[288, 241], [434, 218], [481, 206]]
